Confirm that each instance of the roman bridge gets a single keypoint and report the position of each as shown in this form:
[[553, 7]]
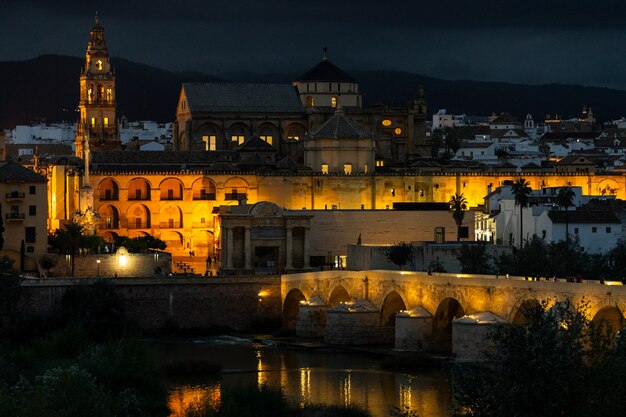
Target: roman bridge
[[446, 296]]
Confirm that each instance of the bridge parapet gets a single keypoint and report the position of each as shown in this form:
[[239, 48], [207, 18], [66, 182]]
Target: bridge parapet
[[474, 293]]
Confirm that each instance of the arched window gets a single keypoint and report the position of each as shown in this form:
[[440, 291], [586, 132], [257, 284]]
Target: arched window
[[294, 131], [89, 95], [310, 102], [238, 133], [109, 95], [236, 189], [266, 133], [333, 102], [100, 92]]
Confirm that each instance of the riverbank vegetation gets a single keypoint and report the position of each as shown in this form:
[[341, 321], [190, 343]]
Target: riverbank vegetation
[[537, 258], [79, 360], [557, 364]]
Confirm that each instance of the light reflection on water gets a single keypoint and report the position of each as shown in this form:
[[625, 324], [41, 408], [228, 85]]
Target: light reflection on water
[[309, 377]]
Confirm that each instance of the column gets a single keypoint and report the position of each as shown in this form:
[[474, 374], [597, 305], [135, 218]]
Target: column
[[229, 247], [289, 248], [248, 248], [306, 248]]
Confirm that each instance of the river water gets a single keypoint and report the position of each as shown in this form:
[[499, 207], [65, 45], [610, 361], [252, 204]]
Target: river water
[[306, 376]]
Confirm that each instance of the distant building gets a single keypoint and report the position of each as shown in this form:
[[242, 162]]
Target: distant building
[[24, 214]]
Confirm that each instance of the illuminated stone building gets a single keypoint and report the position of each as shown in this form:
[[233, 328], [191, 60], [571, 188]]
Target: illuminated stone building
[[24, 213], [310, 146], [220, 116], [98, 123]]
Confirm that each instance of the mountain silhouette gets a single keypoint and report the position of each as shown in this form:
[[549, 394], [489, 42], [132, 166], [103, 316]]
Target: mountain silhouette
[[46, 89]]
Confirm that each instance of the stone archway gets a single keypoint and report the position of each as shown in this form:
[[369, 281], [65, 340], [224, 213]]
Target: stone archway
[[291, 307], [448, 310], [391, 305], [610, 318], [523, 311], [338, 295]]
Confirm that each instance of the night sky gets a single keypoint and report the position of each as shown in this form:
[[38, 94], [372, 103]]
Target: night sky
[[529, 41]]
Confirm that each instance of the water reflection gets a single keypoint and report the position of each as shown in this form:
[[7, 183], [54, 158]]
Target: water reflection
[[310, 377]]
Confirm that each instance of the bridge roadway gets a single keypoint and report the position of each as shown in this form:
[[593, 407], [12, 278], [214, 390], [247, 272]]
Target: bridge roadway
[[448, 296]]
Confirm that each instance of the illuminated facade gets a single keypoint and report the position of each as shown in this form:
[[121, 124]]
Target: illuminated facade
[[24, 213], [98, 123], [221, 116]]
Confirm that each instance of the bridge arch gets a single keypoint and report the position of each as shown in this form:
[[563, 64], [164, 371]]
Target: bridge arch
[[291, 307], [338, 295], [392, 303], [519, 313], [611, 318], [449, 309]]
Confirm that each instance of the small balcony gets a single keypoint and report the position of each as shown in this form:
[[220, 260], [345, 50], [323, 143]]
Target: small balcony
[[138, 225], [110, 225], [14, 217], [138, 197], [14, 195], [203, 196], [236, 196], [170, 225]]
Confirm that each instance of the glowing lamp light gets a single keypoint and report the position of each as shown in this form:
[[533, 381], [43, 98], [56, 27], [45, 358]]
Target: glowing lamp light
[[123, 260]]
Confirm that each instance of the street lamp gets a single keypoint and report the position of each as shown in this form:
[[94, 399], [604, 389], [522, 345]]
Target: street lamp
[[98, 262]]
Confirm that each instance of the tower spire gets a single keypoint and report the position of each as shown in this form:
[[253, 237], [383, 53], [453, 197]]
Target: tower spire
[[97, 18], [325, 57]]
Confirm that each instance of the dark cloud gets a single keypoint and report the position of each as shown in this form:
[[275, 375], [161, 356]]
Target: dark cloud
[[532, 41]]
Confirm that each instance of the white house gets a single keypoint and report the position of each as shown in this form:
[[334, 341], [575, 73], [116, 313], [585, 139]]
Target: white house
[[595, 231]]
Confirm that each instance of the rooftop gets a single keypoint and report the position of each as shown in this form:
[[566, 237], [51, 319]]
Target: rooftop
[[242, 97]]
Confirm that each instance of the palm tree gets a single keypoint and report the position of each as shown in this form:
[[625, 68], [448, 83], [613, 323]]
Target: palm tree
[[565, 199], [458, 207], [70, 239], [521, 190]]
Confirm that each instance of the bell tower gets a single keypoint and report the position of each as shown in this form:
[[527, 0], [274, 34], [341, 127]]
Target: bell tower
[[98, 124]]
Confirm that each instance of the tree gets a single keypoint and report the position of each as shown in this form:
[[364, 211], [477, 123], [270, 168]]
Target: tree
[[521, 190], [458, 207], [400, 254], [9, 291], [556, 364], [474, 259], [565, 199], [68, 241], [48, 262], [1, 229]]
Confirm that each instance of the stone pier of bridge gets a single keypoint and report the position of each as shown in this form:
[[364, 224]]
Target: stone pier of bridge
[[444, 297]]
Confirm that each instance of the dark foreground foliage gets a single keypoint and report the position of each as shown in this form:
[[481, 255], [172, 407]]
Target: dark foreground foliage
[[80, 361], [558, 364]]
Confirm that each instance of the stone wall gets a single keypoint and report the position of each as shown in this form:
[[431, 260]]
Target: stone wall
[[333, 230], [156, 304], [369, 257], [362, 328], [128, 265]]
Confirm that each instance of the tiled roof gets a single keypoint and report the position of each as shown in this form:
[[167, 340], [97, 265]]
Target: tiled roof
[[339, 126], [478, 145], [505, 119], [256, 144], [559, 136], [242, 98], [575, 159], [584, 216], [12, 171], [44, 149], [326, 71]]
